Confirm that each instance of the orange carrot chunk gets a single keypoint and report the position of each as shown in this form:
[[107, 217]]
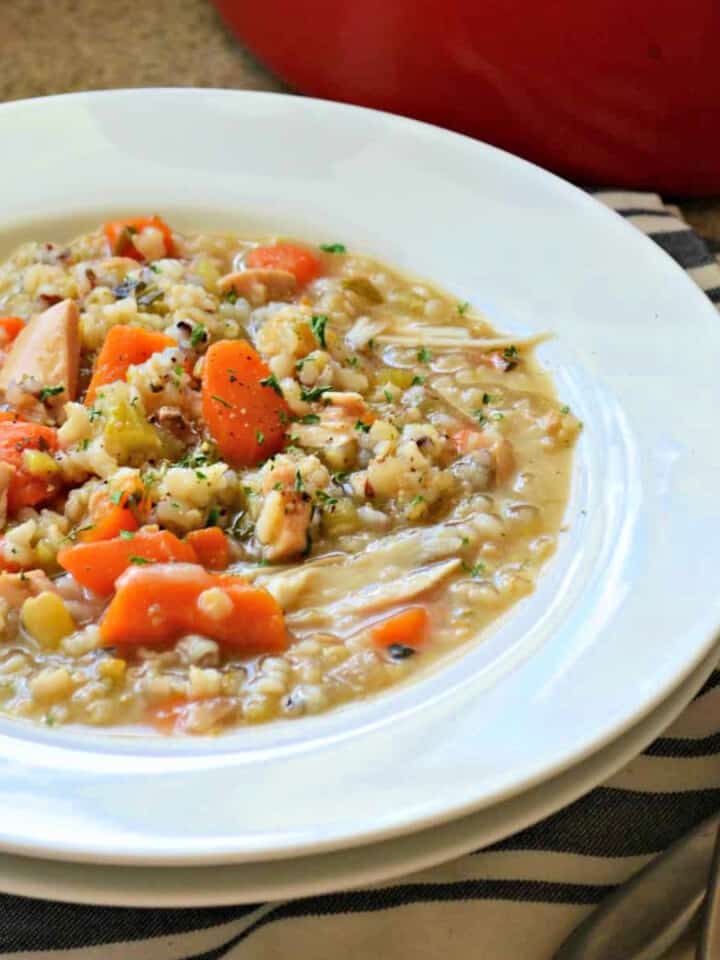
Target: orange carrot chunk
[[211, 547], [241, 404], [406, 629], [17, 436], [299, 261], [124, 347], [98, 565], [156, 605], [10, 327], [109, 520], [119, 235]]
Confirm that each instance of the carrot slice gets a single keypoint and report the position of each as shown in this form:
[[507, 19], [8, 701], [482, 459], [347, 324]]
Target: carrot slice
[[245, 416], [406, 629], [299, 261], [108, 521], [157, 605], [211, 546], [11, 327], [17, 436], [119, 235], [124, 347], [98, 565]]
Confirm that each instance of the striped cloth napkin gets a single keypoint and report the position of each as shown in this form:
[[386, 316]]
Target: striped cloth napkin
[[516, 900]]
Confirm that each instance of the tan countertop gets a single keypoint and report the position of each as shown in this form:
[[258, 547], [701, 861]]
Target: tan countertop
[[55, 46]]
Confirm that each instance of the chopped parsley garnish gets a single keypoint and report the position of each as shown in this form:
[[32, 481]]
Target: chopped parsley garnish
[[510, 353], [489, 398], [49, 719], [417, 381], [313, 394], [85, 443], [565, 409], [154, 267], [424, 355], [465, 541], [278, 485], [333, 247], [140, 561], [309, 418], [416, 500], [463, 307], [50, 392], [200, 475], [388, 396], [475, 569], [496, 415], [126, 534], [340, 478], [299, 364], [299, 485], [260, 437], [231, 296], [283, 417], [117, 496], [352, 361], [214, 396], [198, 335], [212, 517], [318, 323], [93, 414], [272, 382], [325, 498], [480, 417], [364, 427]]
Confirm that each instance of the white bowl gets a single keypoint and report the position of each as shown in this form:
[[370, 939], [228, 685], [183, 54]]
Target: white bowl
[[626, 609]]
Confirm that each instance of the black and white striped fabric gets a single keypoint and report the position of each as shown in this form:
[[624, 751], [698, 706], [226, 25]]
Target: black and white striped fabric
[[514, 901]]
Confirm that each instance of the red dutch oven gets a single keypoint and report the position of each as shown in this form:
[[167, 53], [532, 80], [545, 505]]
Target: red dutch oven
[[622, 92]]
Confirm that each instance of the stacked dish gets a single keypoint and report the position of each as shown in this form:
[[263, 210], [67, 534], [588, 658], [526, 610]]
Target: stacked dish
[[346, 475]]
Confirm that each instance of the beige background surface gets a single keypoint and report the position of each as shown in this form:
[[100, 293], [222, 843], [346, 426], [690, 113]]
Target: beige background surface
[[55, 46]]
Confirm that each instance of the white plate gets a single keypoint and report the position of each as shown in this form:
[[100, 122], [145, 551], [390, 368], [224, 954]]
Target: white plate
[[345, 869], [624, 612]]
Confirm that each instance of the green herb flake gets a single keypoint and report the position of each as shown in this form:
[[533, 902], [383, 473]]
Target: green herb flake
[[260, 437], [333, 247], [340, 478], [117, 496], [510, 353], [318, 323], [480, 417], [154, 267], [84, 444], [417, 500], [200, 475], [363, 427], [388, 396], [49, 719], [198, 335], [424, 355], [565, 409], [278, 485], [465, 541], [475, 569], [231, 296], [272, 382], [139, 561], [325, 498], [212, 517], [352, 361], [48, 392], [299, 485], [214, 396], [126, 534], [418, 381], [309, 418], [497, 415], [462, 308], [488, 398], [313, 394]]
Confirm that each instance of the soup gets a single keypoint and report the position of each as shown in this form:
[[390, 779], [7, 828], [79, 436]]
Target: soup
[[244, 479]]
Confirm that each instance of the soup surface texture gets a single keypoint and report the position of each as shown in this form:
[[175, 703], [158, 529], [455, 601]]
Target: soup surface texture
[[245, 479]]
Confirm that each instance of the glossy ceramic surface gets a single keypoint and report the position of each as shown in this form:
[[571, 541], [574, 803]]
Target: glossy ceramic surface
[[627, 608]]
